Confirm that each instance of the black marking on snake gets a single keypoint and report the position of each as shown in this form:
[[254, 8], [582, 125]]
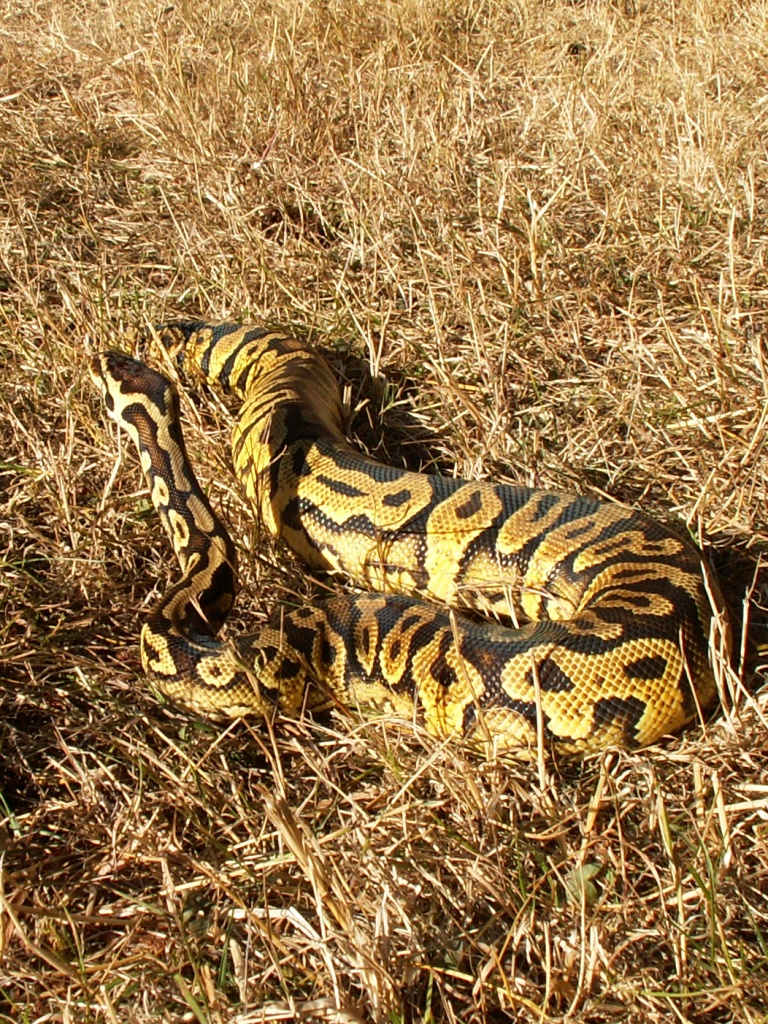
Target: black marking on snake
[[268, 652], [405, 623], [191, 621], [580, 506], [298, 636], [471, 507], [291, 515], [339, 486], [648, 624], [650, 667], [365, 641], [134, 378], [187, 329], [608, 711], [544, 504], [222, 585], [486, 543], [394, 650], [303, 613], [300, 513], [527, 709], [440, 670], [151, 649], [469, 719], [361, 524], [578, 530], [616, 529], [327, 652], [297, 426], [289, 668], [487, 657], [552, 679], [161, 462], [396, 500], [299, 463], [415, 527], [640, 602], [226, 370], [138, 416]]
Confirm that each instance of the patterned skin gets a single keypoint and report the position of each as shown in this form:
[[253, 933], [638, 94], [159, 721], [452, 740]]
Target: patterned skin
[[606, 612]]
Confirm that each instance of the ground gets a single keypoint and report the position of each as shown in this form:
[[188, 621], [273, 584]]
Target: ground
[[530, 235]]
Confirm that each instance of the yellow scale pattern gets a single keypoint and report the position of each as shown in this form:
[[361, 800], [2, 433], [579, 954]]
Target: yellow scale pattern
[[606, 612]]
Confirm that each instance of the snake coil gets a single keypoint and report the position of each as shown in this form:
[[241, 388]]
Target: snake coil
[[607, 612]]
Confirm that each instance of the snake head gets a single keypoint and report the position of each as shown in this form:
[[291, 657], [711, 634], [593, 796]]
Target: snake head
[[120, 378]]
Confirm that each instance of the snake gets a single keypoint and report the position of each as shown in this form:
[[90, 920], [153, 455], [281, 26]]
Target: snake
[[518, 618]]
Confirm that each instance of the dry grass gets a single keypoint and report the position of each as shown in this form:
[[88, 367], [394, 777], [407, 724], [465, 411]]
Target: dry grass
[[532, 237]]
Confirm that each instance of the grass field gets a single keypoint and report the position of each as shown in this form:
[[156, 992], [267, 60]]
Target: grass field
[[532, 239]]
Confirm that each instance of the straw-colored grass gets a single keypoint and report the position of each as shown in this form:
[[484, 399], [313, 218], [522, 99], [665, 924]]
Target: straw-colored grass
[[532, 238]]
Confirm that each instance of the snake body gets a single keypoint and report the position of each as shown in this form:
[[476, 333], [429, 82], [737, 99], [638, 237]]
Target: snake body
[[606, 612]]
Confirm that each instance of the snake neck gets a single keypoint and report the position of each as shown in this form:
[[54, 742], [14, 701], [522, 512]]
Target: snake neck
[[147, 405]]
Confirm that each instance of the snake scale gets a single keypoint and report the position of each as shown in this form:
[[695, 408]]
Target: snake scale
[[605, 613]]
